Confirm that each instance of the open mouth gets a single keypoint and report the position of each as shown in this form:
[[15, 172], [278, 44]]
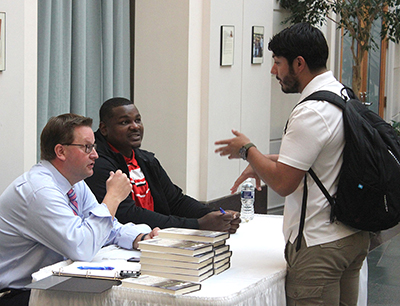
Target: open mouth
[[135, 137]]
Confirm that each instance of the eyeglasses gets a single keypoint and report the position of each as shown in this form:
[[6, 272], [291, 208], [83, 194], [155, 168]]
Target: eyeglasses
[[88, 147]]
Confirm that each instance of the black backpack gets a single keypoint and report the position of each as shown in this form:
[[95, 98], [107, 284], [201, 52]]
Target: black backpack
[[368, 195]]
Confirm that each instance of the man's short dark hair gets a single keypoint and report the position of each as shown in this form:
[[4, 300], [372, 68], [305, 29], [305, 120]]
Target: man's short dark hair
[[304, 40], [60, 130], [106, 110]]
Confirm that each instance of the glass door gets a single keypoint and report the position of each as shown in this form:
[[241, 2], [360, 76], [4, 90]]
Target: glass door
[[372, 91]]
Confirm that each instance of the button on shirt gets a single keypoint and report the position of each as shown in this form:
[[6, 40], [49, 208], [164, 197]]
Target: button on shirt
[[38, 227]]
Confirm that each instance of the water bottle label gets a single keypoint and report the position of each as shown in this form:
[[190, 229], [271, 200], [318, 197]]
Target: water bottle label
[[247, 194]]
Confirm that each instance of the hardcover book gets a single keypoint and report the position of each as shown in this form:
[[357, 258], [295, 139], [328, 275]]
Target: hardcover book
[[222, 256], [174, 246], [182, 277], [220, 263], [174, 263], [221, 249], [176, 257], [193, 234], [222, 268], [160, 284], [175, 270]]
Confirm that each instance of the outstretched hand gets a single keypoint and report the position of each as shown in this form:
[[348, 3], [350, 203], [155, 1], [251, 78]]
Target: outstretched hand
[[232, 146], [247, 173]]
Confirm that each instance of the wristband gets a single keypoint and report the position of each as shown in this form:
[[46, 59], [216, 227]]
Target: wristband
[[141, 239]]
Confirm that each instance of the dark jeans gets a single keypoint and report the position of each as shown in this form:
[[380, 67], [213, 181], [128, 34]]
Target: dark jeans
[[15, 297]]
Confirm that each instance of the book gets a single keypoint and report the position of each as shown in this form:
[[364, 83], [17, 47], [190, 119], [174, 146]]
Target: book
[[176, 270], [222, 256], [182, 277], [176, 257], [161, 284], [193, 234], [175, 246], [219, 243], [221, 249], [220, 263], [222, 268], [175, 263], [115, 269]]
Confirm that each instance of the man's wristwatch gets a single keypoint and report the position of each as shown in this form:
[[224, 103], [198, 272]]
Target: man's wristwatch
[[244, 150]]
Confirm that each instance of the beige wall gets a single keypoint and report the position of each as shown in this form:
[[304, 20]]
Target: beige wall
[[18, 85], [188, 101]]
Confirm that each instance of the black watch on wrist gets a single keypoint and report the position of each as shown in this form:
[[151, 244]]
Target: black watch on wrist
[[244, 150]]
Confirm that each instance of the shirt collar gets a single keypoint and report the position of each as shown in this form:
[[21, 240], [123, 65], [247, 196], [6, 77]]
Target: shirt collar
[[317, 83], [61, 181], [128, 160]]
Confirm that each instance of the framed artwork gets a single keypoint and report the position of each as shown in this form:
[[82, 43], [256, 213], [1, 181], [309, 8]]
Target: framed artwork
[[2, 41], [257, 51], [227, 45]]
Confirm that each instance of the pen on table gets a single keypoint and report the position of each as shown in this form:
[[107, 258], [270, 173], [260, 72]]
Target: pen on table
[[221, 210], [95, 268]]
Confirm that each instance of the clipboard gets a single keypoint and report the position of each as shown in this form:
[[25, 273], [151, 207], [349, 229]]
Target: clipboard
[[74, 284]]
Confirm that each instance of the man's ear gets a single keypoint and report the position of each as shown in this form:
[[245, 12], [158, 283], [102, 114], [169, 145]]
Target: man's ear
[[299, 64], [60, 152], [103, 129]]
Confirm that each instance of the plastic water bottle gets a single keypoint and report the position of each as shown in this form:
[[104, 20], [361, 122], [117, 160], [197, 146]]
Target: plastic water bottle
[[247, 198]]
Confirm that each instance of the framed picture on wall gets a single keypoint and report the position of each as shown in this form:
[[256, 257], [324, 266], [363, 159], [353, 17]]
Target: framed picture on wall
[[257, 50], [227, 45], [2, 41]]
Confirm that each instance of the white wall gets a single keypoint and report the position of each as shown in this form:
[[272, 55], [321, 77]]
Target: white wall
[[187, 100], [392, 83], [18, 85]]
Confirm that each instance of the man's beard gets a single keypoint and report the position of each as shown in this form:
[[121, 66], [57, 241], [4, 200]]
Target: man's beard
[[290, 84]]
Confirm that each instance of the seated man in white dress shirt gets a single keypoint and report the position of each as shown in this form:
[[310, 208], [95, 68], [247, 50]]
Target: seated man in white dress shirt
[[49, 214]]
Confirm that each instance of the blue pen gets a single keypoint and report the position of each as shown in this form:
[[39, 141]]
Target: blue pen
[[221, 210], [95, 268]]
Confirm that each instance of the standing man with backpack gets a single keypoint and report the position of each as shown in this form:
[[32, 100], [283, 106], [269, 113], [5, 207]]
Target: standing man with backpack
[[323, 263]]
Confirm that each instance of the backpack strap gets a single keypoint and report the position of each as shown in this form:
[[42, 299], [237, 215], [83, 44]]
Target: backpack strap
[[303, 214], [325, 95]]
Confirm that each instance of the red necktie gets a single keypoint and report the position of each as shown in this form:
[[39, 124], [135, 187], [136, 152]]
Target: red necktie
[[73, 203]]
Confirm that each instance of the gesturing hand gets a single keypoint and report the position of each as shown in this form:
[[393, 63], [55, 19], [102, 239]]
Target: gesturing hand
[[118, 185], [232, 146]]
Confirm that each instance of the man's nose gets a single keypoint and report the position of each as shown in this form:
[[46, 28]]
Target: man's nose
[[94, 154], [273, 70], [134, 125]]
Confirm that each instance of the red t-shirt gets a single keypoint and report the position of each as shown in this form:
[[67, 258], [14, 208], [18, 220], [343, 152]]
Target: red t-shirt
[[140, 188]]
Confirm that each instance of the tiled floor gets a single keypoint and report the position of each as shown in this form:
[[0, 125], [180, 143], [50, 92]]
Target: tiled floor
[[384, 274]]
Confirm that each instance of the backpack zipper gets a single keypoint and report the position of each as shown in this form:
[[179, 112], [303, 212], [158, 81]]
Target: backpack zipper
[[395, 158]]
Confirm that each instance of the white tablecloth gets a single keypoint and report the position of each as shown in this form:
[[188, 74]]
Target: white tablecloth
[[256, 276]]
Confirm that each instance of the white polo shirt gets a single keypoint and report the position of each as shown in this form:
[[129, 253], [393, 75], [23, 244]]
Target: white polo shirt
[[314, 138]]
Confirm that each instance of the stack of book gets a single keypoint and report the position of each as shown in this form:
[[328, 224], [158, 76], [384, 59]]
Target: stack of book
[[185, 254]]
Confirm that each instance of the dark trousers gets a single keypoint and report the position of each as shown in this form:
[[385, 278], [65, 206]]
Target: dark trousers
[[14, 297]]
